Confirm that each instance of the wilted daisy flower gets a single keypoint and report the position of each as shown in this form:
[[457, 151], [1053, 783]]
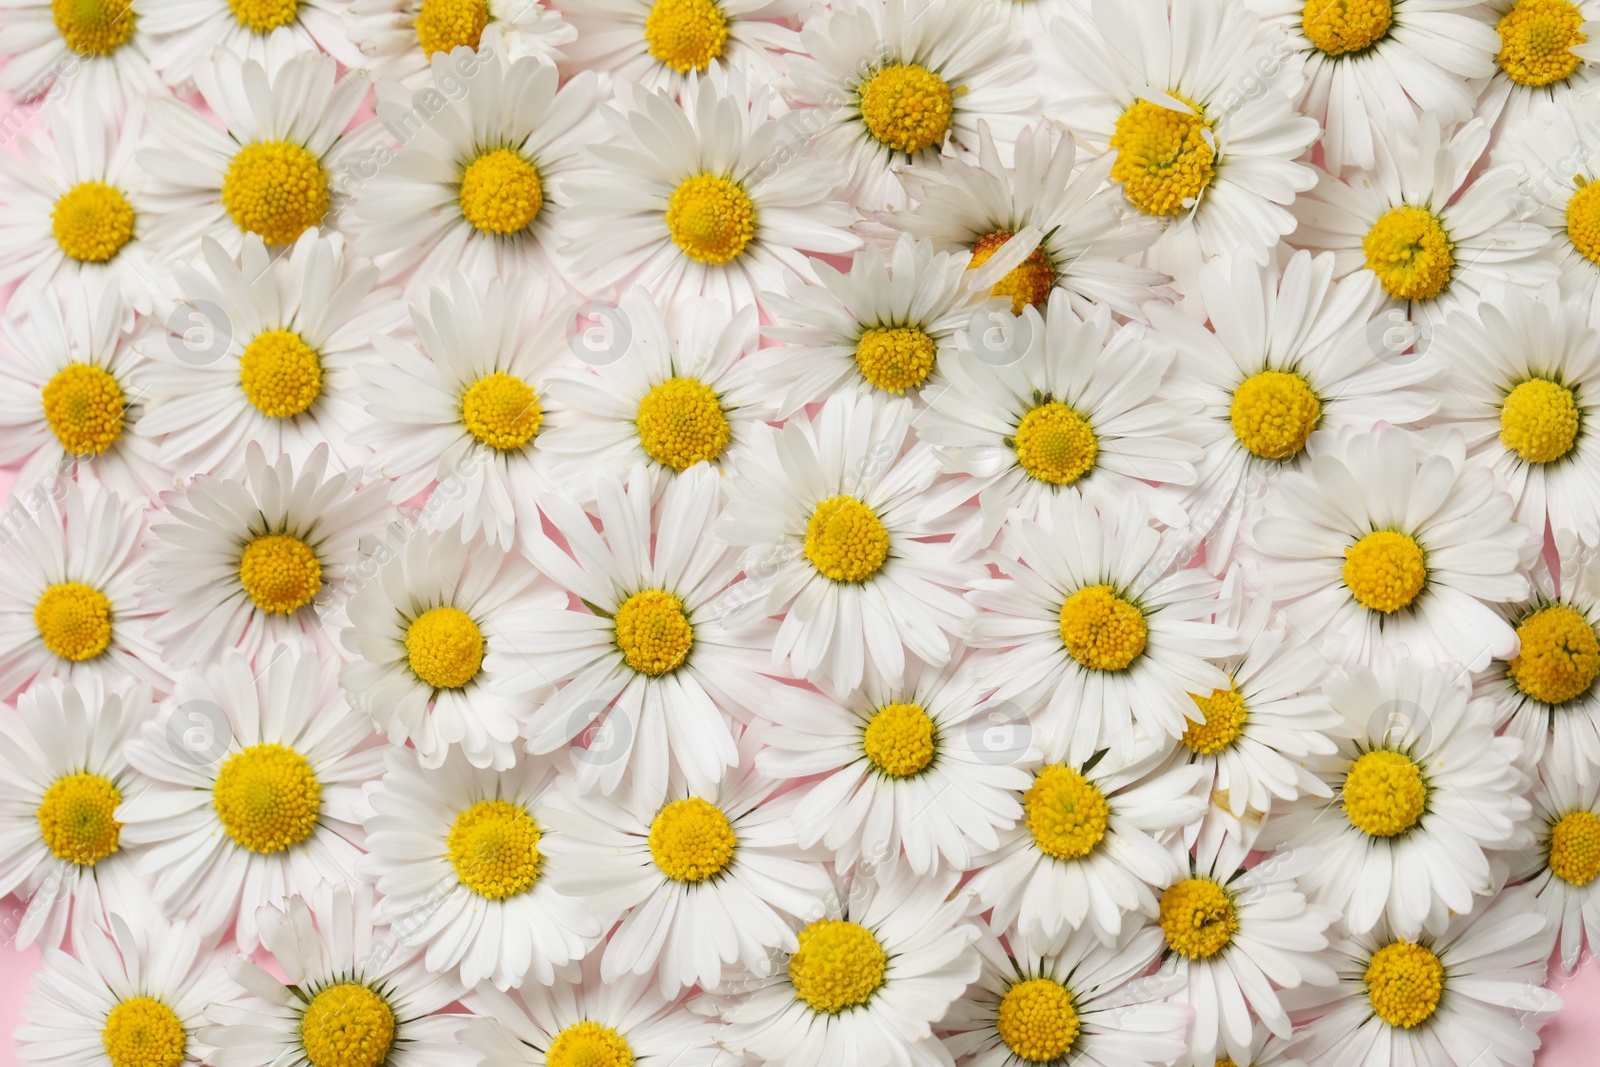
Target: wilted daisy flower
[[186, 35], [399, 38], [1561, 869], [92, 53], [64, 777], [460, 857], [279, 369], [248, 562], [263, 798], [891, 83], [658, 43], [1424, 790], [1547, 57], [704, 196]]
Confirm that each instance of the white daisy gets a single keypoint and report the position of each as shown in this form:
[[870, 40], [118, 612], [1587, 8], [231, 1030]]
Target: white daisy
[[460, 856], [399, 38], [185, 35], [1561, 870], [1548, 57], [269, 803], [96, 53]]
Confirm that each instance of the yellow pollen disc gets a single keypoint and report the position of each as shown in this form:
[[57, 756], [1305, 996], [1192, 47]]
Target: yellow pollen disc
[[1163, 156], [1574, 853], [92, 221], [280, 573], [1536, 41], [906, 107], [899, 740], [1559, 657], [895, 358], [446, 24], [494, 847], [75, 818], [681, 423], [1055, 444], [74, 621], [444, 647], [1225, 718], [143, 1032], [1066, 812], [84, 406], [686, 34], [653, 632], [710, 218], [502, 411], [1198, 918], [1227, 1062], [280, 374], [1539, 421], [276, 190], [1037, 1020], [1101, 630], [1583, 220], [1273, 414], [1338, 27], [93, 27], [264, 16], [1029, 282], [1410, 253], [691, 840], [1404, 982], [1385, 571], [1384, 793], [845, 540], [267, 798], [588, 1044], [347, 1025], [501, 192], [839, 965]]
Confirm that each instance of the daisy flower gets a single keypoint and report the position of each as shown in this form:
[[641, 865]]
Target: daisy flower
[[65, 775], [423, 618], [1547, 57], [188, 35], [1424, 790], [399, 38], [460, 856], [96, 53], [272, 802], [891, 83], [1390, 539], [1562, 869], [836, 499], [704, 196], [243, 562]]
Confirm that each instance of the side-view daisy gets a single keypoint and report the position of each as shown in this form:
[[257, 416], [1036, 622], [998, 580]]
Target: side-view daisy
[[1562, 867], [399, 38]]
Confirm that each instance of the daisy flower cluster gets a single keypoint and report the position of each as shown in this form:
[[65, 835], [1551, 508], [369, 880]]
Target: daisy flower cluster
[[706, 533]]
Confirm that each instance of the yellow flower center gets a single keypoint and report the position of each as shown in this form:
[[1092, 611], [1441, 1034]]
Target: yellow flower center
[[280, 573], [74, 621], [1536, 41], [681, 423], [588, 1044], [1198, 918], [85, 407], [895, 358], [1384, 793], [502, 411], [653, 632], [444, 647], [1225, 719], [1574, 853], [92, 220], [899, 740], [75, 818], [1540, 420], [1273, 414], [906, 107], [501, 192], [1559, 655], [1338, 27], [280, 374], [267, 798], [686, 34], [93, 27], [264, 16], [691, 840], [1037, 1020], [347, 1025], [276, 190], [1029, 282], [1055, 444], [1385, 571], [1101, 630], [143, 1032], [1066, 812], [1583, 220], [710, 218], [1410, 253], [494, 847], [446, 24], [839, 965], [845, 540], [1404, 982], [1165, 158]]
